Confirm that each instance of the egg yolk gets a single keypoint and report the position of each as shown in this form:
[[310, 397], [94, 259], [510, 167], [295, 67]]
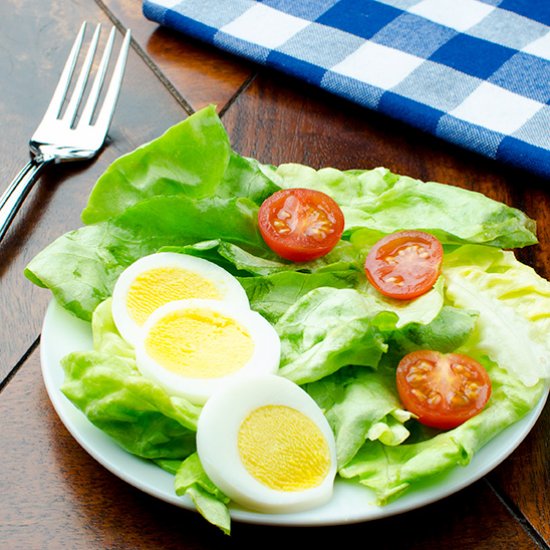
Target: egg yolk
[[156, 287], [199, 343], [283, 448]]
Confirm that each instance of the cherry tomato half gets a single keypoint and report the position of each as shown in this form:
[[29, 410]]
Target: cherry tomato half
[[404, 265], [300, 224], [443, 390]]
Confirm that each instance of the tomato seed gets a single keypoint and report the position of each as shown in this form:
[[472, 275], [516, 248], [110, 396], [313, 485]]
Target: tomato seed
[[459, 399], [472, 390], [424, 366], [434, 398], [281, 227], [284, 215], [418, 394], [415, 378], [397, 281], [457, 368]]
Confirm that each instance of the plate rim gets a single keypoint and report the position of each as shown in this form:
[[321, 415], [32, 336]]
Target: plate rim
[[72, 419]]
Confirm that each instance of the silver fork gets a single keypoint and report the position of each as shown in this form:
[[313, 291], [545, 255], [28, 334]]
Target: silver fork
[[58, 138]]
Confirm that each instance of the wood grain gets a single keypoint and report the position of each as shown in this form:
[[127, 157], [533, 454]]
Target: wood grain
[[34, 56], [291, 122], [199, 74], [277, 119], [524, 478], [54, 495]]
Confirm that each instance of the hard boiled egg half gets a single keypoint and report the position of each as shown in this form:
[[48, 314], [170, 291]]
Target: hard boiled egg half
[[191, 325], [193, 347], [267, 445], [157, 279]]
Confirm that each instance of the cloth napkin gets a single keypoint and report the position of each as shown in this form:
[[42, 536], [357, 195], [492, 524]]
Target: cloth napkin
[[473, 72]]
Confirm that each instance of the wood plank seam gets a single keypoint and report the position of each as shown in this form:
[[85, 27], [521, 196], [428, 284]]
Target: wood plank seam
[[148, 61], [518, 515], [240, 90], [11, 374]]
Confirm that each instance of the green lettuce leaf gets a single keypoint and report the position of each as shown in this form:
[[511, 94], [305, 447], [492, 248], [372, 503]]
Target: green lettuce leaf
[[193, 159], [81, 267], [329, 328], [421, 310], [244, 177], [361, 404], [390, 471], [449, 330], [385, 202], [190, 158], [191, 480], [189, 192], [139, 415], [273, 295], [513, 304], [188, 186], [240, 262], [170, 465]]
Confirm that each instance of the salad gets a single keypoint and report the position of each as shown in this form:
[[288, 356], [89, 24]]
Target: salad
[[341, 337]]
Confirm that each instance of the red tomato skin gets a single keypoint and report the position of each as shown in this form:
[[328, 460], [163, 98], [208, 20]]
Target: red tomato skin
[[417, 271], [297, 245], [450, 385]]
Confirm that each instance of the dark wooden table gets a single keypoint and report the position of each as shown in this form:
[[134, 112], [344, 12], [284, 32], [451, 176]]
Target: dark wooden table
[[52, 493]]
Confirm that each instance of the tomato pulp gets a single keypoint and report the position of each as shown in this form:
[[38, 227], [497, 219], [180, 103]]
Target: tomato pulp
[[442, 390], [300, 224], [404, 265]]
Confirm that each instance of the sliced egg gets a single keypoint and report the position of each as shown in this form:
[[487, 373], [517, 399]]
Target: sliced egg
[[157, 279], [267, 445], [193, 347]]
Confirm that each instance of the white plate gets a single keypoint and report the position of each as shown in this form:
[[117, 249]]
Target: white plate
[[63, 333]]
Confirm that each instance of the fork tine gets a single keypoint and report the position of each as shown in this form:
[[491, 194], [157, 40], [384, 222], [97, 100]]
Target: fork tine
[[58, 97], [57, 139], [108, 107], [78, 91], [91, 103]]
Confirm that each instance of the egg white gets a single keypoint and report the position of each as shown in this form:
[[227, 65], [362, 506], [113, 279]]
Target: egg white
[[228, 286], [217, 446], [264, 360]]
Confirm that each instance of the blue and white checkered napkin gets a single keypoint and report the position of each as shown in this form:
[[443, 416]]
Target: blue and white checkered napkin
[[473, 72]]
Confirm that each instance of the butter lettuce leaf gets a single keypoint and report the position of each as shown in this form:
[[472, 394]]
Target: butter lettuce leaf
[[190, 158], [273, 295], [107, 387], [191, 480], [390, 471], [189, 192], [421, 310], [361, 404], [513, 307], [81, 267], [385, 202], [193, 158], [189, 186], [328, 329], [244, 177], [239, 261], [449, 330]]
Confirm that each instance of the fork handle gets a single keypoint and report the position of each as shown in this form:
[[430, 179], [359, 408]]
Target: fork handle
[[18, 189]]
